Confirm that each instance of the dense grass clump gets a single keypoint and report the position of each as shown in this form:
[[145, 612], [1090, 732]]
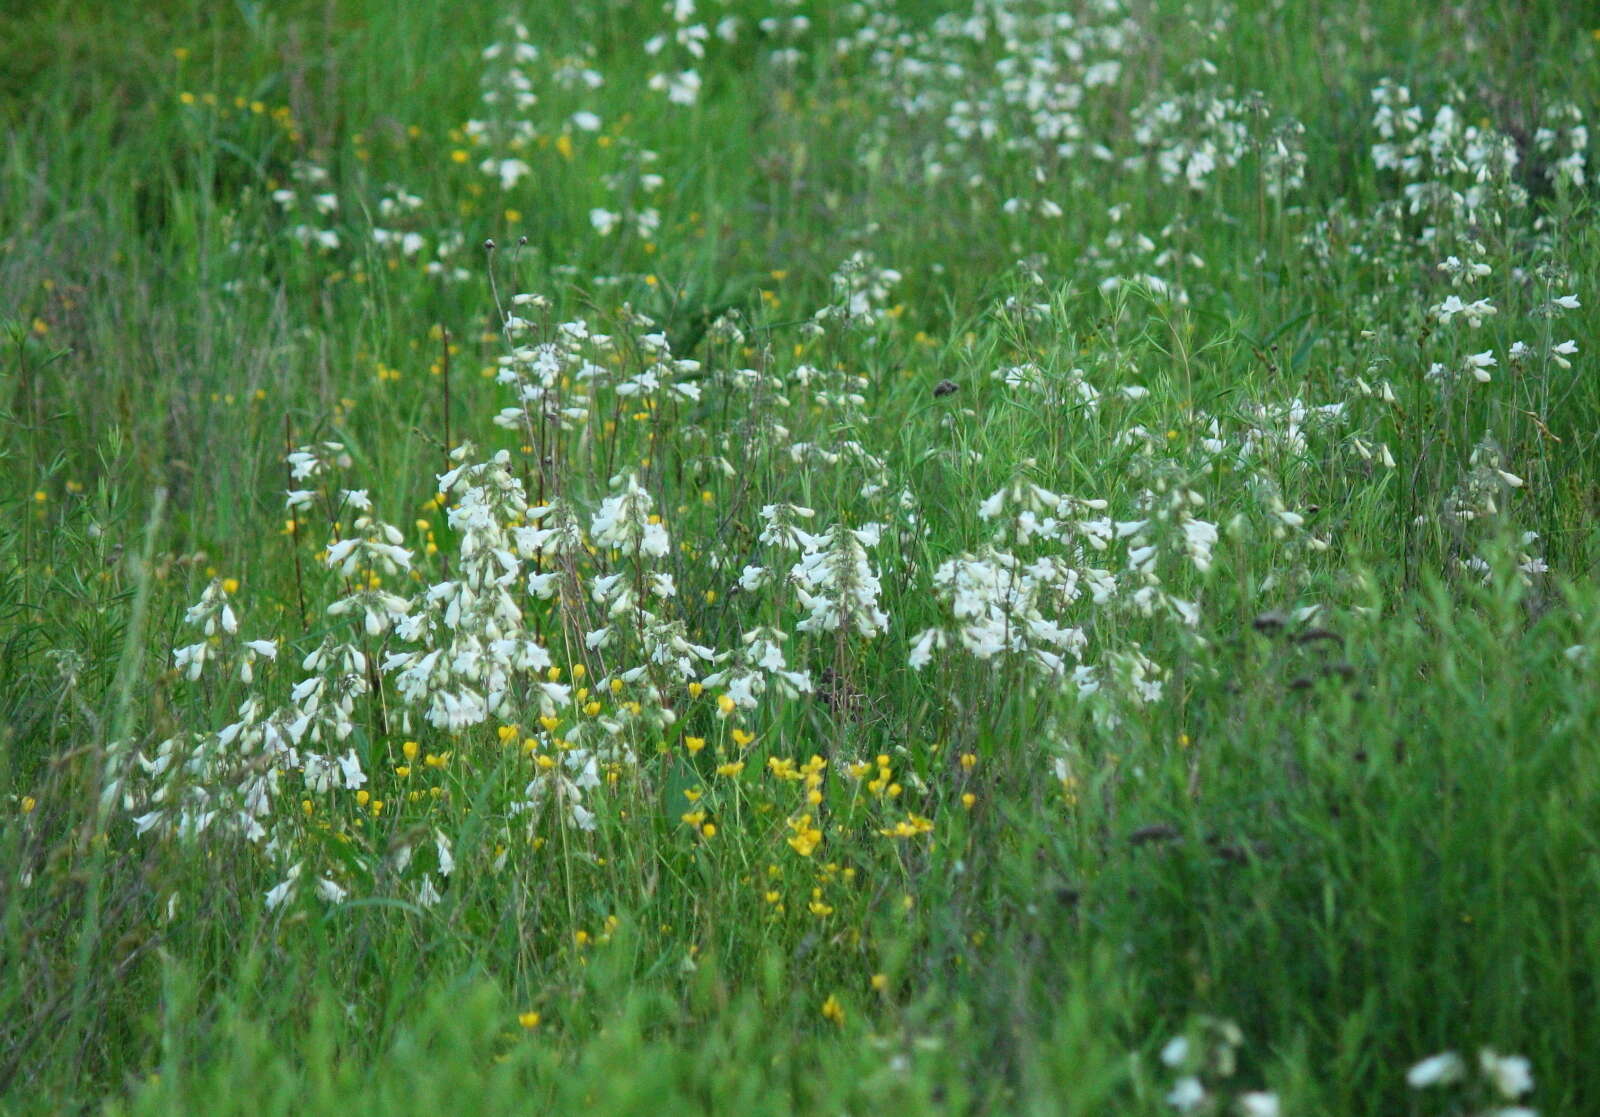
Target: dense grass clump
[[799, 556]]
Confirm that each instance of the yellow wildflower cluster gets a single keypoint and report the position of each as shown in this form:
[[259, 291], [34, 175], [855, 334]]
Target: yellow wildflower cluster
[[882, 782], [909, 827], [806, 835]]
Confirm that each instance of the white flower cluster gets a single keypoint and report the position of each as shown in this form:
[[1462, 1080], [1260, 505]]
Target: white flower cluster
[[405, 234], [1191, 137], [836, 583], [473, 645], [1452, 172], [518, 78], [1505, 1079], [860, 287], [1204, 1060]]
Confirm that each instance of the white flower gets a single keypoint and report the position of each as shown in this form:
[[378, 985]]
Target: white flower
[[624, 521], [1187, 1094], [1258, 1103], [544, 586], [1512, 1075], [510, 171], [682, 88], [922, 650], [1436, 1070], [441, 845], [783, 528], [1478, 364], [190, 660], [350, 767], [1175, 1051], [280, 893], [1200, 537]]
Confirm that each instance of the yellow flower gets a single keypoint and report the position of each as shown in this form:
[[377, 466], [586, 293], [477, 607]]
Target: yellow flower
[[731, 769], [529, 1020], [28, 803], [696, 690], [833, 1011], [410, 750], [880, 982], [908, 827], [806, 836], [742, 738], [968, 800], [694, 744], [724, 705], [968, 761]]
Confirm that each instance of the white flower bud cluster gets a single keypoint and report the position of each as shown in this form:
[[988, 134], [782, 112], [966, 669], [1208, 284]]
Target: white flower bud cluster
[[472, 642]]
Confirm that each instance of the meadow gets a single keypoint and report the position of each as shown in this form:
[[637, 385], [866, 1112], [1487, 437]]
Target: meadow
[[799, 556]]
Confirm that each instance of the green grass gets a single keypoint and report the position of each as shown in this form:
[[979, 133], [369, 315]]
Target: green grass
[[1363, 833]]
